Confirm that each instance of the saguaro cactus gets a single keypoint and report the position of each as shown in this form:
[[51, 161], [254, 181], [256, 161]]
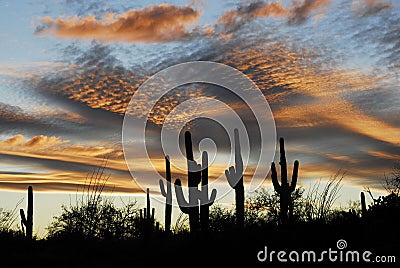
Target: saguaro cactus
[[205, 201], [284, 189], [235, 179], [28, 221], [167, 193], [195, 175], [147, 217], [363, 205]]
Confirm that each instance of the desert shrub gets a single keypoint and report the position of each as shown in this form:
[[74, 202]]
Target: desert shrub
[[181, 225], [100, 220], [265, 204], [8, 218], [318, 205], [96, 216]]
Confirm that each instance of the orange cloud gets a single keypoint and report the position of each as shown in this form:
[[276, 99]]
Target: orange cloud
[[44, 145], [162, 23], [384, 155], [301, 10], [252, 11], [19, 141], [291, 74], [59, 165]]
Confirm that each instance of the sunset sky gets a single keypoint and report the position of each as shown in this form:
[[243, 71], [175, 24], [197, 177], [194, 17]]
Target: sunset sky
[[329, 70]]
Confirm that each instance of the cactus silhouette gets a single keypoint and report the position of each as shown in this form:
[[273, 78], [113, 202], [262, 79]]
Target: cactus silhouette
[[363, 205], [167, 193], [147, 217], [235, 179], [205, 201], [284, 189], [28, 221], [195, 175]]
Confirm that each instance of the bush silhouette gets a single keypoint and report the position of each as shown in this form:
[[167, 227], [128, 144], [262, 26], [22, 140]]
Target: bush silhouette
[[8, 217], [95, 216]]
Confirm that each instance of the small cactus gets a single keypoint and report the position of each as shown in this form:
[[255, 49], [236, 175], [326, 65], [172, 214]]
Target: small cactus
[[28, 221], [167, 193], [147, 216], [284, 189], [235, 179]]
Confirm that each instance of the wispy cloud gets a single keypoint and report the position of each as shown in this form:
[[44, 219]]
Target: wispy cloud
[[296, 14], [60, 165], [53, 146], [247, 13], [162, 23]]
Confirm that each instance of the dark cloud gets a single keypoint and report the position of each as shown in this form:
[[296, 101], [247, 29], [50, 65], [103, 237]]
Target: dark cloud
[[10, 113]]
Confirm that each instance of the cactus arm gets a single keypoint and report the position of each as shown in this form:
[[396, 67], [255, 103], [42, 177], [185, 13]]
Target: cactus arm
[[212, 197], [230, 176], [183, 204], [28, 220], [294, 176], [166, 192], [235, 173], [162, 188], [274, 177], [23, 218]]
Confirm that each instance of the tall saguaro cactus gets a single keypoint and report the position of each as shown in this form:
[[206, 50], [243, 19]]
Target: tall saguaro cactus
[[167, 193], [284, 189], [195, 175], [28, 221], [235, 179]]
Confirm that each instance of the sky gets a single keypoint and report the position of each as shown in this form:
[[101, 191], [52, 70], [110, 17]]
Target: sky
[[69, 68]]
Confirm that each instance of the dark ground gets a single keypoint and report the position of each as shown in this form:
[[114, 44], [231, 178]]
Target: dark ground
[[234, 248]]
